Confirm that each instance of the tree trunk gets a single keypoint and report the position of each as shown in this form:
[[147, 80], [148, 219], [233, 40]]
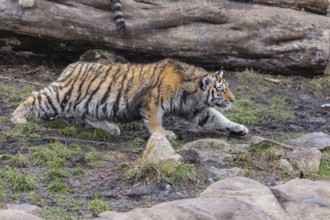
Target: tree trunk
[[316, 6], [219, 33]]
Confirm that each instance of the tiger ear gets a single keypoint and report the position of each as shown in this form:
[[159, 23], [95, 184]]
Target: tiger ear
[[205, 82], [220, 73]]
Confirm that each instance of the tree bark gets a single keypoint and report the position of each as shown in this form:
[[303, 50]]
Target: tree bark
[[218, 33], [316, 6]]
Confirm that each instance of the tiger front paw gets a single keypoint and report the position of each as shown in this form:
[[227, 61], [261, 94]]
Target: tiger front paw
[[18, 120], [238, 129]]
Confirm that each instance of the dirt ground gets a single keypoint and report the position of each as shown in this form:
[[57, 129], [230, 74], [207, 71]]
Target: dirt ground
[[292, 105]]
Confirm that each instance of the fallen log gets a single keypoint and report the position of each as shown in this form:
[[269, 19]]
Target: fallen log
[[315, 6], [217, 33]]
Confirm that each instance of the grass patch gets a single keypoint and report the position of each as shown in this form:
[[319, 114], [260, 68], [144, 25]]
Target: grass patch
[[2, 193], [58, 185], [54, 213], [94, 158], [58, 173], [19, 181], [68, 131], [246, 112], [94, 134], [19, 160], [325, 164], [134, 126], [58, 123], [26, 128], [52, 155], [183, 174], [97, 206]]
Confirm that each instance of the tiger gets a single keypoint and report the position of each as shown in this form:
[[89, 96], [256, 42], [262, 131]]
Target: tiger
[[117, 15], [123, 92]]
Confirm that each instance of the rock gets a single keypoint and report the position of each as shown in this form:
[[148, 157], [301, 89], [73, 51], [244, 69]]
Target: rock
[[306, 160], [305, 199], [226, 172], [213, 151], [248, 191], [32, 209], [159, 151], [318, 140], [26, 3], [16, 215], [285, 166], [242, 198], [193, 209], [102, 56]]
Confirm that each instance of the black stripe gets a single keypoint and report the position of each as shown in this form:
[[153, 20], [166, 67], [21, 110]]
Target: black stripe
[[66, 96], [128, 86], [205, 119], [49, 100], [98, 87], [116, 8], [85, 76], [116, 104], [116, 17], [107, 93], [72, 68], [39, 102]]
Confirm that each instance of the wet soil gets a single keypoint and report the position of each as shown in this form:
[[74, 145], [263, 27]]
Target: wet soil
[[106, 182]]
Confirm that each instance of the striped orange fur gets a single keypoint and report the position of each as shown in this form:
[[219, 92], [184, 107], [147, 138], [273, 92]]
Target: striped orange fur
[[126, 92]]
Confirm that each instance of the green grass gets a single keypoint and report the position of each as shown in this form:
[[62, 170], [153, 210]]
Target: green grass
[[57, 173], [58, 123], [97, 206], [134, 126], [325, 164], [58, 185], [2, 193], [19, 181], [26, 128], [52, 155], [183, 174], [55, 213], [248, 113], [19, 160], [144, 172], [68, 131]]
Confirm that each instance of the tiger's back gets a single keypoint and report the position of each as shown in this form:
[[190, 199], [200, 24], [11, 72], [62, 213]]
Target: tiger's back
[[123, 92]]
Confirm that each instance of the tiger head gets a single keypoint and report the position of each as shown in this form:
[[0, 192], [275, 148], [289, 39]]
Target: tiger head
[[218, 92]]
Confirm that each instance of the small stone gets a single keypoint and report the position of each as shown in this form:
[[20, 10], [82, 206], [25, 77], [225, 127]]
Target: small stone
[[26, 3], [226, 172], [306, 160], [213, 151], [285, 166], [159, 151], [318, 140]]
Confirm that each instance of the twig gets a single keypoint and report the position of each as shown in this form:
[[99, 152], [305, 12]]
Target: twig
[[21, 80], [276, 81], [75, 139]]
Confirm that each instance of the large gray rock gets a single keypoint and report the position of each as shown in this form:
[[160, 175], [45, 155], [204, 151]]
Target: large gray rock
[[306, 160], [243, 198], [319, 140], [213, 151], [246, 190], [305, 199], [16, 215], [194, 209]]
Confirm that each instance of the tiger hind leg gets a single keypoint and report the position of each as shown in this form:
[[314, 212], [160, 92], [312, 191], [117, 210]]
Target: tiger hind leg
[[212, 119], [104, 125]]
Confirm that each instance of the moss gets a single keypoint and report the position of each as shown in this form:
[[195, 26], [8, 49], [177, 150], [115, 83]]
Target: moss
[[19, 160], [183, 174]]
